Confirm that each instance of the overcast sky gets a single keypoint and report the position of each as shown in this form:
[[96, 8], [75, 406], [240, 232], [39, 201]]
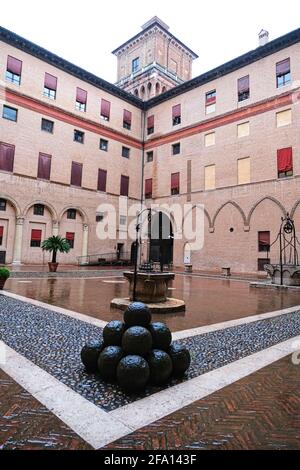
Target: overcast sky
[[85, 32]]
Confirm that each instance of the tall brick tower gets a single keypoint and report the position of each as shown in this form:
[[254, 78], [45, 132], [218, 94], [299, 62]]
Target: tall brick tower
[[153, 61]]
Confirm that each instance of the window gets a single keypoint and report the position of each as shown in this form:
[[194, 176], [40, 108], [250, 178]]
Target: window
[[244, 170], [3, 205], [102, 177], [76, 174], [244, 88], [210, 102], [261, 262], [10, 113], [124, 185], [125, 152], [78, 136], [175, 186], [210, 139], [44, 166], [123, 220], [148, 188], [36, 238], [284, 118], [50, 86], [13, 70], [71, 214], [176, 114], [149, 157], [210, 177], [150, 125], [285, 162], [135, 65], [99, 216], [81, 99], [47, 126], [1, 234], [105, 110], [39, 209], [127, 117], [103, 145], [176, 149], [264, 241], [243, 130], [283, 73], [7, 154], [70, 237]]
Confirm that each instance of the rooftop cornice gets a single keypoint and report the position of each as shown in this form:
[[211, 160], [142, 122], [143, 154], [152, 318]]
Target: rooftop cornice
[[29, 47], [155, 26]]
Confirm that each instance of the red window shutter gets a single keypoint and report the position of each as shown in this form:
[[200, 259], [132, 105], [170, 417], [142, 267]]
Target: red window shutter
[[102, 177], [148, 187], [243, 84], [175, 181], [70, 236], [14, 65], [36, 235], [7, 154], [285, 159], [150, 122], [264, 238], [176, 111], [81, 96], [210, 98], [105, 108], [50, 81], [76, 174], [1, 231], [127, 117], [283, 67], [44, 166], [124, 187]]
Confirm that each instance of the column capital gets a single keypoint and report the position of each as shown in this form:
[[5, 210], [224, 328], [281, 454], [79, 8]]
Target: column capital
[[85, 227], [55, 223], [20, 220]]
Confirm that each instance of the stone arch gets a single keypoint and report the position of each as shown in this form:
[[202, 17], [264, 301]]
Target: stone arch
[[78, 209], [157, 88], [267, 198], [136, 92], [164, 89], [13, 202], [234, 204], [142, 91], [295, 207], [205, 213], [48, 206]]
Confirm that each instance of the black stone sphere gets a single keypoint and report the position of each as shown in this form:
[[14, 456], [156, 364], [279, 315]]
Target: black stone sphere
[[113, 332], [90, 354], [137, 341], [108, 362], [133, 374], [137, 314], [161, 336], [181, 359], [160, 365]]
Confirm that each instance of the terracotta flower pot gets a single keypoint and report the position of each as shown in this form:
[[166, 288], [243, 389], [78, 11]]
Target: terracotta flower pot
[[52, 267], [2, 282]]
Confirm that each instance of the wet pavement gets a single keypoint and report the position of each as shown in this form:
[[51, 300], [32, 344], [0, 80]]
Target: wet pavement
[[208, 301]]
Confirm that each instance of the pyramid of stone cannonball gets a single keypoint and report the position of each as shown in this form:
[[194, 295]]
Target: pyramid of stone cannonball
[[136, 352]]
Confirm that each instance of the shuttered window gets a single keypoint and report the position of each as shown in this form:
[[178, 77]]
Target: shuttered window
[[285, 162], [13, 70], [283, 73], [264, 241], [76, 174], [124, 185], [284, 118], [127, 118], [210, 102], [44, 166], [81, 99], [1, 234], [210, 177], [150, 125], [243, 129], [244, 170], [36, 238], [243, 88], [7, 154], [102, 177], [175, 183], [70, 237], [148, 188], [105, 110], [210, 139], [50, 86]]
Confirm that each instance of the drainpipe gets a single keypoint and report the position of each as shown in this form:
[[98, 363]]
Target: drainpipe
[[143, 124]]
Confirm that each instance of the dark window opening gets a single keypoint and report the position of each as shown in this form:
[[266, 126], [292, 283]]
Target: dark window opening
[[135, 65], [71, 214], [78, 136], [47, 125], [176, 149], [38, 209], [149, 157], [10, 113], [264, 241], [103, 145], [3, 205], [261, 262], [125, 152]]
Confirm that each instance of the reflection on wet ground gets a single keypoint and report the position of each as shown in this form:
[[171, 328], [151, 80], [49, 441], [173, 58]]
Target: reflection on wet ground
[[208, 301]]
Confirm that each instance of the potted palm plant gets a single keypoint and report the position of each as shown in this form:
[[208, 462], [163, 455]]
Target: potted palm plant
[[4, 275], [54, 245]]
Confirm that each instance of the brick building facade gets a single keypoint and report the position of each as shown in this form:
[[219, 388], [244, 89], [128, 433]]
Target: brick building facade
[[228, 139]]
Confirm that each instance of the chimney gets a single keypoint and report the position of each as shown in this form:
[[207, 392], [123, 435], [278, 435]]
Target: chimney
[[263, 37]]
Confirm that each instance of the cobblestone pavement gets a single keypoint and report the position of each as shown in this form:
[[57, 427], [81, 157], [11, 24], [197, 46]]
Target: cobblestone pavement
[[53, 342], [261, 411], [25, 424]]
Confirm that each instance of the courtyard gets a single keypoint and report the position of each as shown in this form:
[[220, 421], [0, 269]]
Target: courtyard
[[240, 392]]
